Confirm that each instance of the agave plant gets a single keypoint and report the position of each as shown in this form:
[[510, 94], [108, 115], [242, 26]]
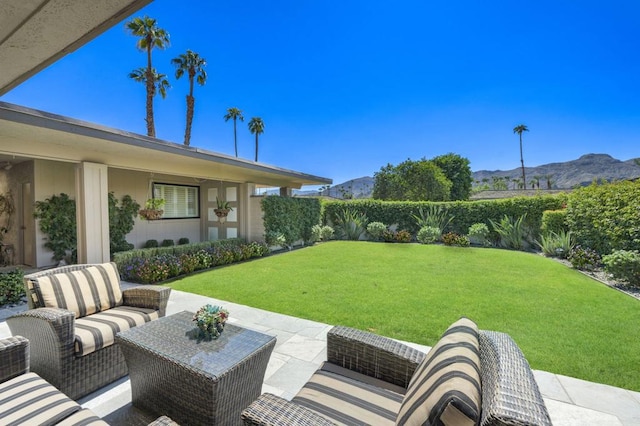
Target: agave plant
[[556, 244], [512, 231], [434, 217], [350, 224]]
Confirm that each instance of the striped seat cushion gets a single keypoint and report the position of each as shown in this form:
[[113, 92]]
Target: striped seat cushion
[[84, 292], [30, 400], [347, 401], [445, 389], [99, 330], [84, 417]]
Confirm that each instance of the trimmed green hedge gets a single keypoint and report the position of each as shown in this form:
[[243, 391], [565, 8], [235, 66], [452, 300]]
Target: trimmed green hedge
[[292, 217], [465, 213], [606, 217], [554, 221], [11, 286]]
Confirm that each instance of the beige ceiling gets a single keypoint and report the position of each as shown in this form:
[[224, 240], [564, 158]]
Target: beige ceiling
[[36, 33]]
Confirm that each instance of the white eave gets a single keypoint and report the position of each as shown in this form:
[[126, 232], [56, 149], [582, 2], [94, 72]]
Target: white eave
[[29, 133]]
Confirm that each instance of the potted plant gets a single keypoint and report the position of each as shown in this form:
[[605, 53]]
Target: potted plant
[[152, 209], [210, 321], [223, 208]]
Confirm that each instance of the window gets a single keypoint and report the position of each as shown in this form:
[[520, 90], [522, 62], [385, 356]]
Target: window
[[181, 201]]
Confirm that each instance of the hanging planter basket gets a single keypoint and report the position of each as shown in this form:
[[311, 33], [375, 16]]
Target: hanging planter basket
[[221, 212], [151, 214]]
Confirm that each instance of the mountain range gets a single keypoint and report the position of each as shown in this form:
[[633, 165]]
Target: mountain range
[[566, 175]]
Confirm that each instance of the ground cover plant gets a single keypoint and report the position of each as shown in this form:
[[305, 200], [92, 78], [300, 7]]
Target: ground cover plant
[[564, 322]]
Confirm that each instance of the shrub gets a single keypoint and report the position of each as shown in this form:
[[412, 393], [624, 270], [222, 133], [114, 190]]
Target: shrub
[[479, 234], [183, 241], [11, 286], [167, 243], [258, 249], [453, 239], [274, 238], [428, 235], [403, 236], [350, 224], [435, 217], [292, 217], [624, 265], [606, 217], [556, 244], [151, 244], [57, 219], [584, 258], [554, 221], [316, 233], [512, 232], [388, 236], [122, 214], [375, 230], [326, 233]]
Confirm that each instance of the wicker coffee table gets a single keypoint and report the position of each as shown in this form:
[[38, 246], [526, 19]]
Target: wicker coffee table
[[194, 382]]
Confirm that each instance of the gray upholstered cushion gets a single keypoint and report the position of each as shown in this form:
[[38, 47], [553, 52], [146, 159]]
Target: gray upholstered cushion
[[445, 389], [99, 330], [84, 417], [84, 292], [30, 400], [347, 401]]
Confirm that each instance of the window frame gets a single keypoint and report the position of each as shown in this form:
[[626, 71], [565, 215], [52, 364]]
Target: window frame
[[185, 208]]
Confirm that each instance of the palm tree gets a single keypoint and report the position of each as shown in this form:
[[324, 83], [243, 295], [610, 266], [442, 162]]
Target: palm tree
[[519, 129], [193, 65], [256, 126], [549, 181], [234, 114], [160, 85], [150, 36]]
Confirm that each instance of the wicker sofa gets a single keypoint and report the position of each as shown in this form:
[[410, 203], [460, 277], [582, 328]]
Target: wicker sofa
[[26, 398], [470, 377], [75, 313]]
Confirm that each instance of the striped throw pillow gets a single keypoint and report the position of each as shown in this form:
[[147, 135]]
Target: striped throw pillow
[[84, 292], [445, 389]]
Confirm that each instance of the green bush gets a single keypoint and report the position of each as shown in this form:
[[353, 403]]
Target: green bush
[[151, 244], [512, 232], [183, 240], [624, 265], [556, 244], [292, 217], [167, 243], [479, 234], [375, 230], [428, 235], [57, 219], [463, 213], [350, 224], [274, 238], [122, 214], [584, 258], [316, 233], [554, 221], [435, 217], [326, 233], [11, 286], [606, 217]]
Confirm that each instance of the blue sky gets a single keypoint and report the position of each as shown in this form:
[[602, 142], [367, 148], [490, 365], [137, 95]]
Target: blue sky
[[345, 87]]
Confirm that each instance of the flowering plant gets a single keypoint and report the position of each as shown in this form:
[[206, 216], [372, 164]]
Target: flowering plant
[[210, 320]]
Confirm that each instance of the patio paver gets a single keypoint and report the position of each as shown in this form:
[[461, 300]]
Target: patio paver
[[301, 349]]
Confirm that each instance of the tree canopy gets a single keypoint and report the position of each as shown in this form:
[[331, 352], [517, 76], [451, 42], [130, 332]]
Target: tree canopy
[[412, 181], [457, 170]]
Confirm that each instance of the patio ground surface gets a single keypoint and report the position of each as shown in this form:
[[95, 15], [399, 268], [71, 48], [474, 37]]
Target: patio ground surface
[[301, 347]]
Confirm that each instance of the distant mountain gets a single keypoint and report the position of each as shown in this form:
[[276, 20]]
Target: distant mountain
[[561, 175], [569, 174]]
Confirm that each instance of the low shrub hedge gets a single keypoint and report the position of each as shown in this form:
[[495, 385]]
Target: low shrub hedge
[[152, 265], [11, 286]]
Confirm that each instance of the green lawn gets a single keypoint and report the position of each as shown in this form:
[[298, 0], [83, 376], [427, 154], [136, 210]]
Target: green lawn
[[564, 322]]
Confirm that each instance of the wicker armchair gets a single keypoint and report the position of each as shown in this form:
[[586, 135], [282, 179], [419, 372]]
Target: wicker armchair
[[52, 333], [509, 393]]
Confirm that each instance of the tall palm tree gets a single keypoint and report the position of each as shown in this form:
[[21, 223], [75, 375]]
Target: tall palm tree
[[519, 129], [150, 36], [256, 126], [234, 114], [160, 81], [193, 65]]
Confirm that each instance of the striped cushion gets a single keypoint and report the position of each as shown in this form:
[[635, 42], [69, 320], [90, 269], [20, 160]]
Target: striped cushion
[[346, 401], [99, 330], [445, 389], [29, 399], [84, 417], [84, 292]]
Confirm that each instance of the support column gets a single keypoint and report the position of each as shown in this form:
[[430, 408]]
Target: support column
[[244, 214], [285, 191], [92, 212]]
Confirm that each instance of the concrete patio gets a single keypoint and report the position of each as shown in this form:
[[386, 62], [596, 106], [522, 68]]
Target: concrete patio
[[300, 349]]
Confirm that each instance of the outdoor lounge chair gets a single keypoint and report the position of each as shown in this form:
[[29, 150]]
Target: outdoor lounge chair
[[470, 377], [75, 313]]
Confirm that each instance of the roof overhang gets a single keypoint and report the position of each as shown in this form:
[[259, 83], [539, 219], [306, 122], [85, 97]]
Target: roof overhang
[[36, 33], [27, 133]]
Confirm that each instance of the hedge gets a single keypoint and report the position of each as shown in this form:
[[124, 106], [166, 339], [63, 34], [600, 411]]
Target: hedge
[[465, 213], [292, 217], [11, 286]]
